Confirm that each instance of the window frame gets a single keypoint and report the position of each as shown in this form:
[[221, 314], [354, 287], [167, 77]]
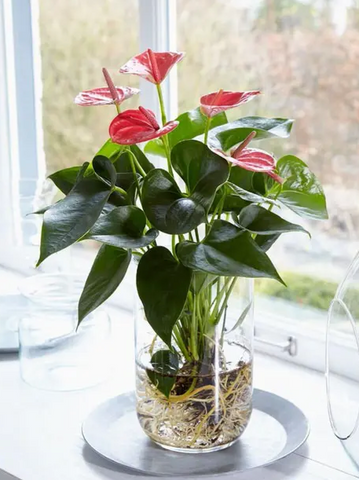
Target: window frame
[[22, 159]]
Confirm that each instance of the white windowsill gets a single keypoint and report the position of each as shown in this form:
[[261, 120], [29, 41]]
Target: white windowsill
[[43, 429]]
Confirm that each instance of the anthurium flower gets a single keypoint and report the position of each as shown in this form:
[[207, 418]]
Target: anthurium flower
[[106, 95], [217, 102], [152, 66], [136, 126], [252, 159], [103, 96]]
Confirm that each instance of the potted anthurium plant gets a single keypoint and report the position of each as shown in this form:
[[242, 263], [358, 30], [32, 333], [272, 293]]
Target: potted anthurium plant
[[212, 199]]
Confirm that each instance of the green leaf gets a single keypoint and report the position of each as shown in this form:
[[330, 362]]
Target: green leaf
[[242, 178], [165, 367], [301, 191], [266, 241], [104, 170], [232, 203], [258, 220], [250, 196], [228, 251], [68, 220], [162, 285], [201, 280], [141, 158], [191, 125], [107, 272], [65, 179], [109, 149], [240, 319], [165, 206], [201, 169], [233, 133], [122, 227]]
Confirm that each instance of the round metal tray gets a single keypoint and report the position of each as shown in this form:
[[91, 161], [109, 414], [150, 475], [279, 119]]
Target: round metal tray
[[276, 429]]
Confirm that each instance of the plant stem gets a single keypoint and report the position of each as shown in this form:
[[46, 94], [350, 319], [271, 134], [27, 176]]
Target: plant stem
[[194, 329], [133, 166], [119, 190], [137, 163], [197, 235], [164, 121], [180, 343], [225, 301], [162, 105], [174, 246], [168, 154]]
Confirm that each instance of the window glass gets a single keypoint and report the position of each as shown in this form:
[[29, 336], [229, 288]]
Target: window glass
[[78, 38], [304, 56]]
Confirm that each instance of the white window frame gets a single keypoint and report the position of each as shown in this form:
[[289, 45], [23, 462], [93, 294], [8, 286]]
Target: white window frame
[[22, 157]]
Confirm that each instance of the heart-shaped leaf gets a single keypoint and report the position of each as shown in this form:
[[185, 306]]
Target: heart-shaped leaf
[[201, 169], [65, 179], [162, 285], [107, 272], [165, 367], [232, 202], [68, 220], [233, 133], [250, 196], [123, 162], [122, 227], [256, 219], [165, 206], [141, 158], [227, 251], [301, 191], [110, 150], [266, 241], [104, 170], [191, 125]]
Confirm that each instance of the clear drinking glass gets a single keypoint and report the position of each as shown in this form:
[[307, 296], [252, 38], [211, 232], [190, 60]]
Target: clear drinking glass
[[210, 399], [54, 354]]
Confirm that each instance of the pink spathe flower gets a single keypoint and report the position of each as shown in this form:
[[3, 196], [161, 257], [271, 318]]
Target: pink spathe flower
[[252, 159], [217, 102], [136, 126], [109, 95], [103, 96], [152, 66]]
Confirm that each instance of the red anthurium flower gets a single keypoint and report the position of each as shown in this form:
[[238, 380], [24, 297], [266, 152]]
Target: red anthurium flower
[[136, 126], [252, 159], [152, 66], [218, 102], [106, 95]]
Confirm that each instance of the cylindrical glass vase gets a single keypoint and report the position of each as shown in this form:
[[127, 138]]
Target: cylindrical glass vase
[[55, 353], [197, 396]]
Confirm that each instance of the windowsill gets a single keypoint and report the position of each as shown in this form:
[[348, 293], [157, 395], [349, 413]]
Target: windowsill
[[43, 429]]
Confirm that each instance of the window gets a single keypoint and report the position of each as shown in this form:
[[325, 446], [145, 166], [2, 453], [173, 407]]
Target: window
[[302, 54], [85, 37]]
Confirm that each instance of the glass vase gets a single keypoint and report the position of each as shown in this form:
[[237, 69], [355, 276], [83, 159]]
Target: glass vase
[[342, 369], [55, 353], [202, 401]]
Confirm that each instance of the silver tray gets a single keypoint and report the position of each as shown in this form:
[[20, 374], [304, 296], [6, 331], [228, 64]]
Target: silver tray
[[276, 429]]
